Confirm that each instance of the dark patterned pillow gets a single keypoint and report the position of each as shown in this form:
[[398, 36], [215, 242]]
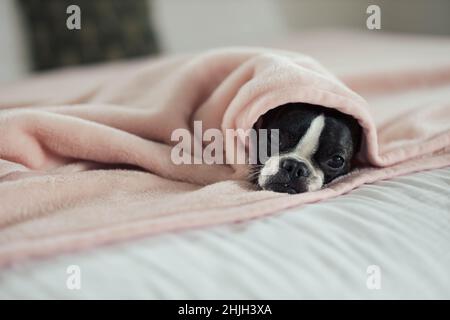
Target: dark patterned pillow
[[110, 29]]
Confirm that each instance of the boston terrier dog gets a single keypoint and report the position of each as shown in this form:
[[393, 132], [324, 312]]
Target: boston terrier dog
[[316, 145]]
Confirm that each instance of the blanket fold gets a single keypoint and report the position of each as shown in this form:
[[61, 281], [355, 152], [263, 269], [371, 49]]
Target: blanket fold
[[85, 155]]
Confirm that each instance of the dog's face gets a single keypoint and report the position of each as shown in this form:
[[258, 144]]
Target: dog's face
[[316, 145]]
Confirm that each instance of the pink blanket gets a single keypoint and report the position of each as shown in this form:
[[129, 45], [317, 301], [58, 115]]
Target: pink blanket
[[85, 153]]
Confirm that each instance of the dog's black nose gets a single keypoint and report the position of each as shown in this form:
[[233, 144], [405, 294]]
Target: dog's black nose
[[294, 168]]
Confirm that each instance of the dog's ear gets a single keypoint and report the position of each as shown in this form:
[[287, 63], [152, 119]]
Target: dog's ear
[[357, 133], [357, 137], [258, 125], [354, 126], [270, 116]]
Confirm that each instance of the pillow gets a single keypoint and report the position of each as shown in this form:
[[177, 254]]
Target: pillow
[[110, 29]]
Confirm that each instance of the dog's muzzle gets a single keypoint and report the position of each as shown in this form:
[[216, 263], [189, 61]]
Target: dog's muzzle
[[292, 177]]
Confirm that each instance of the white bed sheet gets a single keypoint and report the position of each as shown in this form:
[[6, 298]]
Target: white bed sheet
[[319, 250]]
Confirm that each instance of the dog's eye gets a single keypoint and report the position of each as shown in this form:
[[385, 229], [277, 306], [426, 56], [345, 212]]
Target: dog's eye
[[336, 162]]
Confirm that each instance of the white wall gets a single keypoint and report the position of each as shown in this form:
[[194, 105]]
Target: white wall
[[415, 16], [14, 58], [192, 25], [189, 25]]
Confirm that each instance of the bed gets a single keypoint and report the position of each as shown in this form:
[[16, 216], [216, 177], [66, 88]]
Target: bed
[[399, 227], [319, 250]]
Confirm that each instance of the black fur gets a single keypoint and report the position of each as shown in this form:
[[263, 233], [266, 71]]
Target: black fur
[[341, 136]]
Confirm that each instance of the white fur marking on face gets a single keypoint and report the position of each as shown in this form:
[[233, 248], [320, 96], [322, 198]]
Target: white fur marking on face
[[304, 152], [269, 169], [310, 141], [316, 181]]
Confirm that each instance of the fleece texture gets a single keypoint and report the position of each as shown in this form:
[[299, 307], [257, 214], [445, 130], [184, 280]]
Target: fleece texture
[[85, 153]]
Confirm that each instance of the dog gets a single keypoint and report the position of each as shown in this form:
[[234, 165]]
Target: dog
[[315, 146]]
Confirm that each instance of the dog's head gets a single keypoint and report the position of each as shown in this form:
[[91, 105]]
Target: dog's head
[[316, 145]]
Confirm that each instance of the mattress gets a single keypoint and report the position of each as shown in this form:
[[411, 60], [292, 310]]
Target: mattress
[[329, 249]]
